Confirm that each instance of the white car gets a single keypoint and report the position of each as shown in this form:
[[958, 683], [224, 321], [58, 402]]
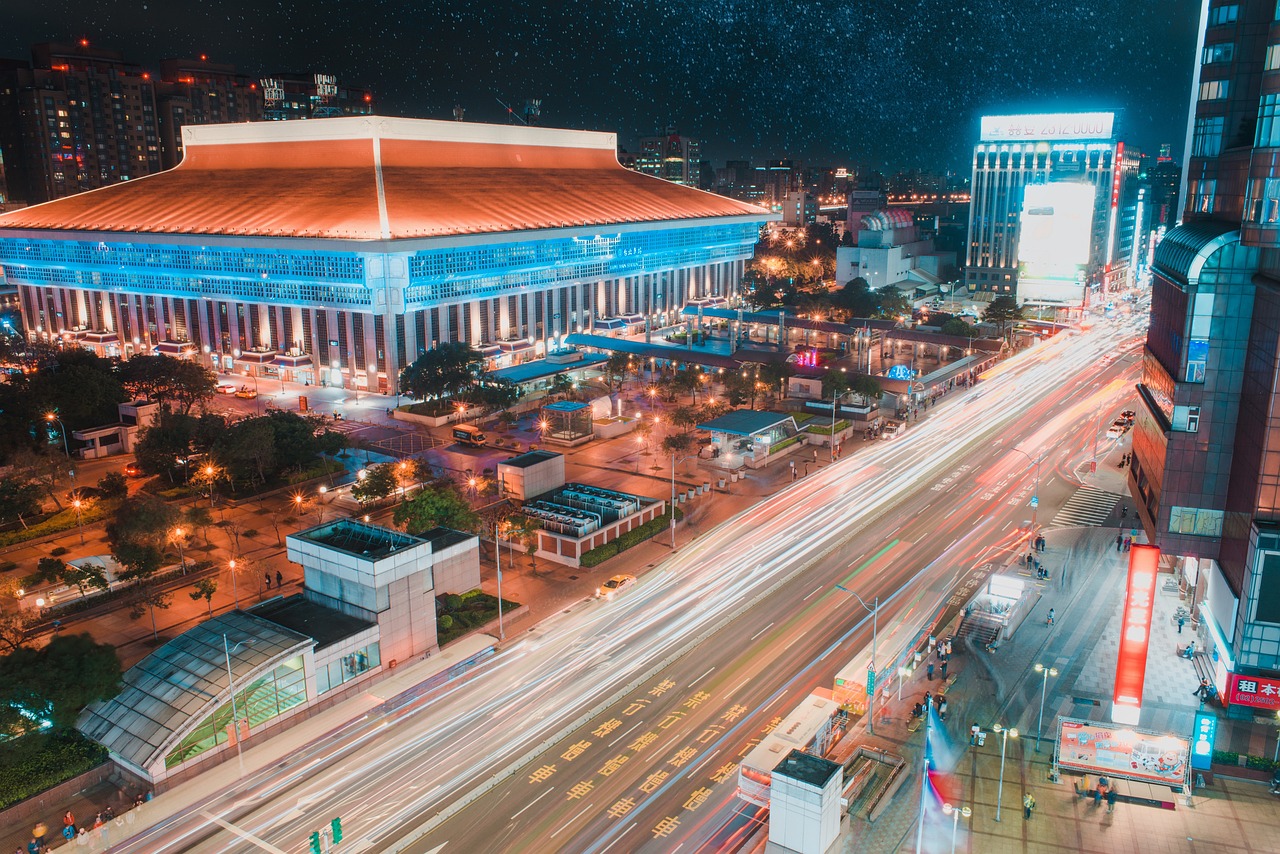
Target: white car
[[613, 585], [1117, 429], [226, 388], [893, 430]]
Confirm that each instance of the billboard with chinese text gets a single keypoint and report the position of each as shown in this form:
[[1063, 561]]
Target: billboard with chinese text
[[1257, 691], [1122, 752], [1047, 126]]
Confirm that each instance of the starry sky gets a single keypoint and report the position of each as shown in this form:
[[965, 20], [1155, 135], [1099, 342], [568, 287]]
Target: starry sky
[[885, 84]]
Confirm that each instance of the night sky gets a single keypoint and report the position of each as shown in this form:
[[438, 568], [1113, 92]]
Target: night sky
[[884, 83]]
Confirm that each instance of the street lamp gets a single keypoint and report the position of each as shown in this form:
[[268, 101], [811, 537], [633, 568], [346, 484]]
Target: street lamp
[[672, 508], [178, 534], [79, 519], [1045, 673], [208, 473], [54, 419], [1035, 490], [1005, 734], [835, 399], [955, 813], [875, 615], [231, 680], [497, 560], [231, 565]]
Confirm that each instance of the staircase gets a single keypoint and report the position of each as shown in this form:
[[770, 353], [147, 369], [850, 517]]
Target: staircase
[[980, 627]]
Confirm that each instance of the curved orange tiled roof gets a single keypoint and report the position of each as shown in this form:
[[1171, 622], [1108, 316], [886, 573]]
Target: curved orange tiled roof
[[321, 179]]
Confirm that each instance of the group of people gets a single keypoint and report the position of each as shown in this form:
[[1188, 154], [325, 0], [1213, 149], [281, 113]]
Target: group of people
[[71, 830], [918, 710], [1103, 790]]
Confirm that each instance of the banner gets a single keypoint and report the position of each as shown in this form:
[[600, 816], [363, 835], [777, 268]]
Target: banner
[[1257, 691], [1122, 752], [1135, 631]]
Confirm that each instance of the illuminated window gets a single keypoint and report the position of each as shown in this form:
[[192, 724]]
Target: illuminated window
[[1207, 139], [1202, 195], [1221, 52], [1262, 202], [1213, 90], [1268, 134], [1196, 521], [1273, 57]]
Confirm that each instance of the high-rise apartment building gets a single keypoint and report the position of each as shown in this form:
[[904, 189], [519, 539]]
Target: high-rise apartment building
[[1206, 447], [311, 96], [671, 157], [1015, 152], [199, 92]]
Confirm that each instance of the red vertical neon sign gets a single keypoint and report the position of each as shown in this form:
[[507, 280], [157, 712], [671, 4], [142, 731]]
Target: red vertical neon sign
[[1135, 630]]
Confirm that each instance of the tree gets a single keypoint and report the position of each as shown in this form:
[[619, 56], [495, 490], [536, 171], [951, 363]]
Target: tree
[[248, 451], [774, 375], [18, 498], [440, 504], [113, 485], [46, 470], [677, 444], [1002, 311], [15, 630], [445, 370], [145, 600], [957, 327], [523, 529], [891, 302], [162, 379], [167, 440], [198, 516], [867, 387], [616, 370], [56, 682], [138, 532], [836, 382], [51, 570], [204, 589], [378, 482]]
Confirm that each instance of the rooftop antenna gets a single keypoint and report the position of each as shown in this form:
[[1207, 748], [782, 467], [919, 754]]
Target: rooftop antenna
[[511, 114], [458, 112]]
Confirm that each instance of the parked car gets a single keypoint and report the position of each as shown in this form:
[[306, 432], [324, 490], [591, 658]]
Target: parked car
[[1128, 415], [247, 393], [893, 430], [1117, 429], [132, 470], [226, 388], [613, 585]]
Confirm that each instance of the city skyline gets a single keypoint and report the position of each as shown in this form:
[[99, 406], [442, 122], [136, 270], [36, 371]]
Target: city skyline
[[887, 87]]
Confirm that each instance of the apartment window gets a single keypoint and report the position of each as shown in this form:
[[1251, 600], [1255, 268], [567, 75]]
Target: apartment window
[[1202, 195], [1193, 419], [1213, 90], [1262, 202], [1273, 57], [1221, 52], [1197, 521], [1207, 138], [1223, 15], [1268, 135]]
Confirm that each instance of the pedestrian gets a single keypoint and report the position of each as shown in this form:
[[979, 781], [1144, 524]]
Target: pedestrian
[[1119, 541], [944, 671], [1203, 691], [1124, 512], [1028, 804], [929, 671], [1128, 543], [1049, 622], [1182, 621], [917, 711], [267, 577], [69, 832], [68, 819], [97, 821], [1111, 800], [1083, 788], [279, 578], [942, 707], [33, 847], [928, 699], [1031, 559], [1099, 793], [815, 455], [973, 733]]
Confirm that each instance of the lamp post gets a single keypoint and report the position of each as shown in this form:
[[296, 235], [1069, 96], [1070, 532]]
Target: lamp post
[[231, 565], [672, 508], [955, 813], [178, 534], [79, 519], [875, 615], [1045, 673], [924, 776], [497, 559], [208, 473], [54, 419], [1035, 490], [1005, 734], [231, 680], [835, 399]]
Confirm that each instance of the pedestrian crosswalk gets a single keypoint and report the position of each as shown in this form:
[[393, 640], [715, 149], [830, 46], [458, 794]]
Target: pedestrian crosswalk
[[1088, 506]]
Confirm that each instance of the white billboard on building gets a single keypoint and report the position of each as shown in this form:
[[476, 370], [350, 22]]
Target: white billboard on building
[[1047, 126], [1054, 234]]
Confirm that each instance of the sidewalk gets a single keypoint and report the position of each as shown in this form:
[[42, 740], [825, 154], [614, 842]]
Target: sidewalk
[[1002, 687]]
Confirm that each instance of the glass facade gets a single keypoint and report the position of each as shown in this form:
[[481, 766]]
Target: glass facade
[[265, 697], [347, 667]]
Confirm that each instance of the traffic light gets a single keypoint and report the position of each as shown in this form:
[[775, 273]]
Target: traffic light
[[315, 843], [336, 827]]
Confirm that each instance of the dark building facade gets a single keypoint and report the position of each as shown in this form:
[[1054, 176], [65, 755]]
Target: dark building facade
[[199, 92], [1206, 470]]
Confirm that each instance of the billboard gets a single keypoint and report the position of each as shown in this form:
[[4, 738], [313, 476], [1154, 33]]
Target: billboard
[[1047, 126], [1122, 752], [1257, 691], [1135, 632], [1202, 736], [1055, 231]]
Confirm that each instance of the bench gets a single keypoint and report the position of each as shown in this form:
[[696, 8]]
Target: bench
[[1138, 792]]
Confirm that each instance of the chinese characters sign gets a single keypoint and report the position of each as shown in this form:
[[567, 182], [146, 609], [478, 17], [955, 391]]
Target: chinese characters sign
[[1202, 736], [1047, 126], [1258, 691], [1135, 629], [1122, 752]]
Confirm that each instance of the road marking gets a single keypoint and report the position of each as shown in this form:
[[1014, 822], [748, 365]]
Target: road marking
[[762, 631], [261, 843], [740, 684], [698, 767], [703, 676], [620, 835], [625, 734], [1006, 526], [535, 800], [569, 822], [807, 598]]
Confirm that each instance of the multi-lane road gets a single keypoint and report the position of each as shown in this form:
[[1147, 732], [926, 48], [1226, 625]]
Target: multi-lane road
[[618, 725]]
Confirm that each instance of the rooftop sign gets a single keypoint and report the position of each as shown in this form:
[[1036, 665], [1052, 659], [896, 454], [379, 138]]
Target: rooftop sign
[[1050, 126]]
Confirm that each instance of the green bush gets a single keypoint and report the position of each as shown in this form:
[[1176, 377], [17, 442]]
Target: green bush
[[452, 602], [29, 768], [785, 443], [64, 520], [635, 536], [58, 551], [1226, 757], [444, 623], [1259, 763], [476, 608], [825, 429]]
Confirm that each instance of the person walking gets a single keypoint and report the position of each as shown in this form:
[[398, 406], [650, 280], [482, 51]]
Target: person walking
[[1049, 622], [973, 733], [279, 578], [929, 671], [1028, 804], [1119, 541], [1111, 800], [944, 669], [267, 577], [1182, 621]]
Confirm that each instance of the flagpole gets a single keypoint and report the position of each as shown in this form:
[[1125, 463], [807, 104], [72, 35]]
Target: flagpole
[[924, 780]]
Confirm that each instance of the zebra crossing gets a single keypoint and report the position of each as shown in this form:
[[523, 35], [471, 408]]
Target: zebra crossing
[[1088, 507]]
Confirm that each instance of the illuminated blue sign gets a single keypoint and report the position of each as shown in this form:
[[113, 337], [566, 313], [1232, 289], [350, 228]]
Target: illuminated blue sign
[[1202, 735], [900, 372]]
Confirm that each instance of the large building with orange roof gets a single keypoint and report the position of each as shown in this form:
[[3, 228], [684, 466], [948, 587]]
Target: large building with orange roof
[[335, 252]]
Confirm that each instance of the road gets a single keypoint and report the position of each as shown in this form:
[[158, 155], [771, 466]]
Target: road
[[621, 722]]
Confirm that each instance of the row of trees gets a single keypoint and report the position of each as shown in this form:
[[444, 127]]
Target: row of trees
[[455, 370]]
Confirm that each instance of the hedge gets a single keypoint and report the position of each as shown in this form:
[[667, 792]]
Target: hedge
[[785, 443], [634, 537], [467, 611], [63, 520], [825, 429], [64, 754]]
